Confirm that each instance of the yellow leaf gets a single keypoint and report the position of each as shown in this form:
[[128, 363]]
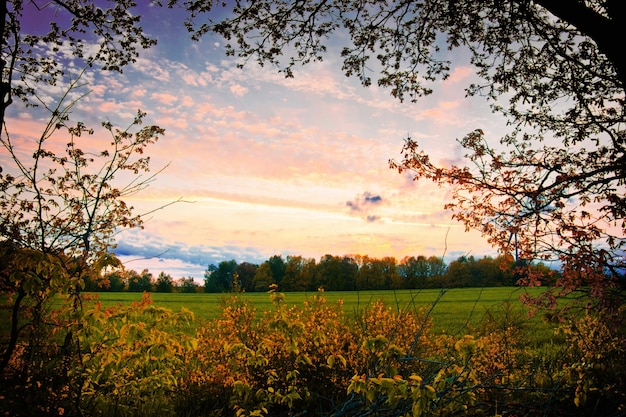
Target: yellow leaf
[[330, 361]]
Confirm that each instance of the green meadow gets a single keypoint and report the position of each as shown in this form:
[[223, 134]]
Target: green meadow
[[453, 311]]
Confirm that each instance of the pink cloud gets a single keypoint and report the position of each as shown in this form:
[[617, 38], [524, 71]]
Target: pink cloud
[[108, 107], [164, 98], [238, 90], [137, 93], [459, 74]]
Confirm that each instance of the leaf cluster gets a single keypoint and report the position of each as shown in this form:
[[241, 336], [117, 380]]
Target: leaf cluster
[[79, 33]]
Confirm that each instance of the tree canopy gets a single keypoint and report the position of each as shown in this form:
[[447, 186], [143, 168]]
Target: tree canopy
[[554, 69], [78, 32], [62, 194]]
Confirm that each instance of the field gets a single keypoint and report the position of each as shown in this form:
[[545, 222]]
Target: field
[[454, 311]]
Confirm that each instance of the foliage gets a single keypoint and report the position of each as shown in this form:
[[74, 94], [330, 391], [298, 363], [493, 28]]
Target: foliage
[[187, 285], [299, 274], [62, 192], [263, 277], [597, 348], [78, 31], [335, 273], [131, 358], [122, 360], [61, 208], [317, 358], [291, 360], [245, 272], [220, 278], [113, 280], [421, 272], [140, 282], [342, 273], [164, 283]]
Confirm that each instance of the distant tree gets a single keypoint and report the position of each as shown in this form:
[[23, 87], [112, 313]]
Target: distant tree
[[140, 282], [299, 274], [277, 265], [389, 267], [370, 274], [349, 269], [114, 282], [94, 284], [437, 269], [208, 282], [414, 271], [554, 69], [164, 283], [245, 272], [263, 277], [187, 285], [461, 273], [220, 279], [335, 273]]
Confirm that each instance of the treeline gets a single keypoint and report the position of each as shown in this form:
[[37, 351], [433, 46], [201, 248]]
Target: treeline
[[331, 273]]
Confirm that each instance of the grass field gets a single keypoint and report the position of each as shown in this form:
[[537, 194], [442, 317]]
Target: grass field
[[455, 311]]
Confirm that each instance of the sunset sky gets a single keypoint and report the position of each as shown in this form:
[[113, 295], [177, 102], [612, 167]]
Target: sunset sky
[[267, 165]]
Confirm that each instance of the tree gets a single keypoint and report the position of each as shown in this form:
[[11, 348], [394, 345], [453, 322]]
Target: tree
[[164, 283], [299, 274], [389, 270], [277, 265], [61, 203], [414, 271], [245, 272], [208, 281], [114, 281], [187, 285], [61, 209], [63, 189], [220, 278], [140, 282], [459, 272], [335, 273], [108, 37], [370, 274], [554, 69], [263, 277]]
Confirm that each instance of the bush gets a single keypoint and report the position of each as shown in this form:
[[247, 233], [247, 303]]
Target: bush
[[314, 359]]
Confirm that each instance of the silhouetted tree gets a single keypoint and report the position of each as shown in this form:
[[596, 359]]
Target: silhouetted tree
[[335, 273], [140, 282], [220, 279], [277, 265], [263, 277], [370, 275], [299, 274], [164, 283], [187, 285], [245, 272]]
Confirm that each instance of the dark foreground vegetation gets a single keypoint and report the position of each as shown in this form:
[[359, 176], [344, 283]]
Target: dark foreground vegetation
[[315, 359]]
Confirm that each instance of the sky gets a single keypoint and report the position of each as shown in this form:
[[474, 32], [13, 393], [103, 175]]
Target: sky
[[265, 165]]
